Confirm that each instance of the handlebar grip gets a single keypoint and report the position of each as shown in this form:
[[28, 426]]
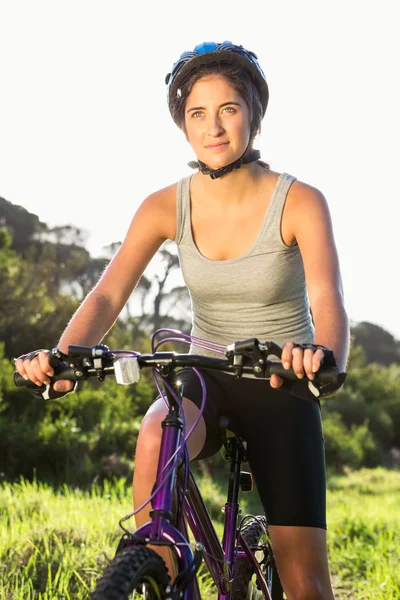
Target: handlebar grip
[[63, 374], [323, 375]]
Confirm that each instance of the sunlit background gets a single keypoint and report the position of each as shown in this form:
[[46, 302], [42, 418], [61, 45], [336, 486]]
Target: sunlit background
[[85, 133]]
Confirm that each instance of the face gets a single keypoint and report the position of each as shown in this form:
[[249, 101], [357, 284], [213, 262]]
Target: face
[[217, 122]]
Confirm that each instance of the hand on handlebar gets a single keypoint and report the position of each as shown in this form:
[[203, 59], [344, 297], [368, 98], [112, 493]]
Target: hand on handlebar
[[306, 360], [303, 361], [38, 367]]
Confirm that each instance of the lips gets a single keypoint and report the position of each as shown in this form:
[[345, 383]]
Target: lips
[[217, 146]]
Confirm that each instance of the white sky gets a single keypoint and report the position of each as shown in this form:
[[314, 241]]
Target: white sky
[[85, 133]]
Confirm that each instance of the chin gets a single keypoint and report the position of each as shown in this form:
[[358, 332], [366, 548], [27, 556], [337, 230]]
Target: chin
[[214, 164], [222, 160]]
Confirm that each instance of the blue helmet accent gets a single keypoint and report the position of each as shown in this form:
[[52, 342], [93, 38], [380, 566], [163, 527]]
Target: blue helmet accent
[[208, 52], [205, 47]]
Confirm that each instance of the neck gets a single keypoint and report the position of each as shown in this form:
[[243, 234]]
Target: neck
[[232, 186]]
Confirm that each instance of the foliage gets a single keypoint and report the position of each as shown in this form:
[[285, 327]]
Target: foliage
[[22, 225], [379, 345], [84, 436], [362, 422], [344, 446], [31, 317]]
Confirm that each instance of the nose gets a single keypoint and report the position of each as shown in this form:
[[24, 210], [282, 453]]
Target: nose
[[215, 127]]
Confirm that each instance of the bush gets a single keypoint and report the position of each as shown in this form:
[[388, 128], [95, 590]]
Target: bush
[[351, 447], [73, 439]]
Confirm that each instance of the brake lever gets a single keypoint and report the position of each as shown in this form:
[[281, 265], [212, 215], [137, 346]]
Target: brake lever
[[57, 359], [255, 351]]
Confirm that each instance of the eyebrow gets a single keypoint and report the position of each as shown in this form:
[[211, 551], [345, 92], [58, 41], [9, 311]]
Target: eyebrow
[[194, 108]]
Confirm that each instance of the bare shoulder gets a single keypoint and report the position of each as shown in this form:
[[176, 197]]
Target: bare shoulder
[[306, 210], [303, 195], [164, 198], [304, 192], [159, 210], [152, 224]]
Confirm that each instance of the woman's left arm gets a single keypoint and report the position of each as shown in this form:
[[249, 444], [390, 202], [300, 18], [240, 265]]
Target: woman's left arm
[[312, 229], [308, 222]]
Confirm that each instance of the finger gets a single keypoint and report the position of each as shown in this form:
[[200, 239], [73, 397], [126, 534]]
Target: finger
[[45, 364], [297, 361], [287, 355], [276, 381], [63, 386], [308, 363], [38, 372], [19, 365], [317, 359], [30, 372]]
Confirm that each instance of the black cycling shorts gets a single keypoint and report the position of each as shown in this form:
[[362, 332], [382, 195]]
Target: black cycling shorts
[[285, 443]]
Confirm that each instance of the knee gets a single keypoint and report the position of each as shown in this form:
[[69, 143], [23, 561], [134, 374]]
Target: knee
[[150, 432], [308, 588]]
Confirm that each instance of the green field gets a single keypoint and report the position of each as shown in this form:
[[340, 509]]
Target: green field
[[53, 545]]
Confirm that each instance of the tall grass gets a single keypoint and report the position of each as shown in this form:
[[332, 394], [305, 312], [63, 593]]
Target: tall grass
[[364, 534], [55, 543]]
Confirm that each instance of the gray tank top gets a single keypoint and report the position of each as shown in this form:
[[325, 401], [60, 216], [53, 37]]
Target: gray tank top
[[261, 294]]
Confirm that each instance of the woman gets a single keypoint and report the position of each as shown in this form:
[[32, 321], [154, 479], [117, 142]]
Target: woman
[[258, 256]]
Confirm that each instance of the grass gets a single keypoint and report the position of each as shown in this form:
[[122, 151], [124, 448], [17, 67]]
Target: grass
[[364, 534], [54, 544]]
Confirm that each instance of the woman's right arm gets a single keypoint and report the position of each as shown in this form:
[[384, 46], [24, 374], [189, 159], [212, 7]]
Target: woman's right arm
[[153, 223]]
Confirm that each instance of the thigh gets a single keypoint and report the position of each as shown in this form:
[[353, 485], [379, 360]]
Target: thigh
[[151, 427], [286, 454], [211, 406]]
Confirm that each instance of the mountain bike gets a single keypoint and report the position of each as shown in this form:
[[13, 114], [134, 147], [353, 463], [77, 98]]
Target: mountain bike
[[242, 564]]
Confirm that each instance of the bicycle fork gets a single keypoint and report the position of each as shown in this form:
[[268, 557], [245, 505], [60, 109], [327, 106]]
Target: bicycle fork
[[161, 529]]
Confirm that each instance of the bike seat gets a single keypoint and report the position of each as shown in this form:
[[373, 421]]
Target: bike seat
[[225, 422], [228, 435]]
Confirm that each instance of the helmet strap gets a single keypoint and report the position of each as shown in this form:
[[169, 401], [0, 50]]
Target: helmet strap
[[216, 173]]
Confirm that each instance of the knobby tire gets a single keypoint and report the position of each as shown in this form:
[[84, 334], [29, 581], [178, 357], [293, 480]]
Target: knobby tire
[[128, 572], [244, 586]]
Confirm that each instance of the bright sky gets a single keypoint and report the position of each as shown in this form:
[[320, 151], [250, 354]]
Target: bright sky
[[85, 134]]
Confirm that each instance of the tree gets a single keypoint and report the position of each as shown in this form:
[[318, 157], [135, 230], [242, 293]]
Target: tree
[[30, 317], [378, 344], [154, 303], [22, 225]]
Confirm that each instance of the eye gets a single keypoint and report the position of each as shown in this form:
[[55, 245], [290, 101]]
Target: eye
[[229, 109], [197, 114]]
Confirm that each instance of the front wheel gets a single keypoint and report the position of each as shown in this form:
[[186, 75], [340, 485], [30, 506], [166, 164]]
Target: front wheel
[[137, 572], [245, 585]]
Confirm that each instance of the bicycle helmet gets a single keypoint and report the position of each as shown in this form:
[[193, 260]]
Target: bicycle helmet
[[207, 53]]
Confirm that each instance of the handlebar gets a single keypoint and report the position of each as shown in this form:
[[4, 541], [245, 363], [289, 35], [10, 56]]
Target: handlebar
[[244, 357], [67, 373]]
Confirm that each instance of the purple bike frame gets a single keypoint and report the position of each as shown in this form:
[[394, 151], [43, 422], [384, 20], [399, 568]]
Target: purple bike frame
[[160, 528], [219, 558]]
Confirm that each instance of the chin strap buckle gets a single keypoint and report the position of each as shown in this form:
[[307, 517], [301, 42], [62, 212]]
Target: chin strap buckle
[[216, 173]]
